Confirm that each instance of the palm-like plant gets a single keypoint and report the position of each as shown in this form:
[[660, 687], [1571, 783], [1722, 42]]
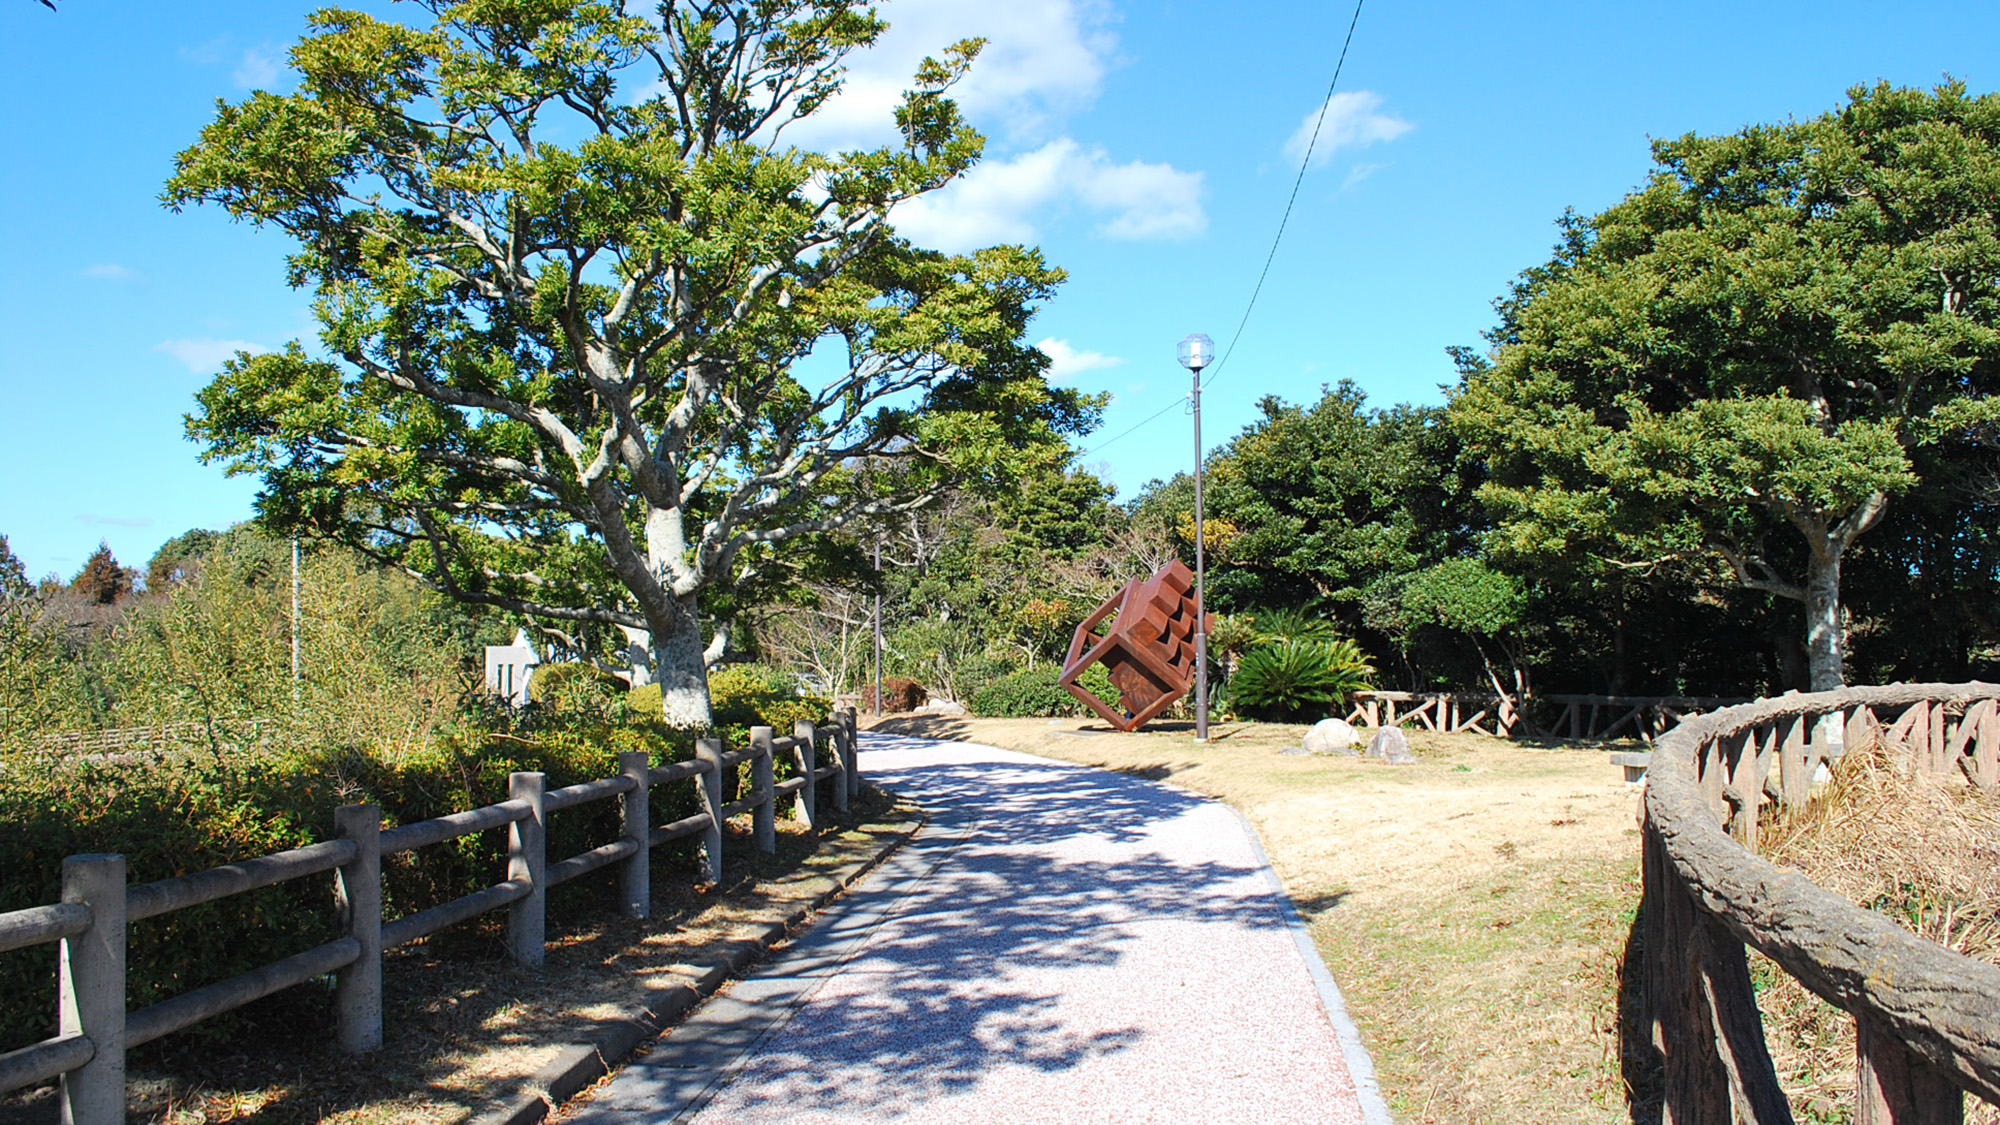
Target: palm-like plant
[[1279, 625], [1294, 678]]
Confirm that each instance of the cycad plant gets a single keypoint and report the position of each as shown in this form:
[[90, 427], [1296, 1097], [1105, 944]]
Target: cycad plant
[[1279, 625], [1295, 679]]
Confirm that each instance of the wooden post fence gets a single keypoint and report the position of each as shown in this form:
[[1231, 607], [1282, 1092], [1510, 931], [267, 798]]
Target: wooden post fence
[[95, 1028]]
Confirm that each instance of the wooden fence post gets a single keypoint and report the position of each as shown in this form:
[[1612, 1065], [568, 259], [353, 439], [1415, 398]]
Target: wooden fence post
[[709, 752], [527, 858], [842, 756], [763, 776], [635, 875], [1894, 1087], [357, 898], [804, 734], [849, 725], [91, 987], [1683, 1030]]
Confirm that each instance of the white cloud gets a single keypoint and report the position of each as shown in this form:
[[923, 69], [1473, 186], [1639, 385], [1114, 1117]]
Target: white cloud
[[90, 519], [1351, 122], [1005, 200], [1043, 60], [1357, 174], [112, 271], [258, 69], [205, 357], [1066, 361]]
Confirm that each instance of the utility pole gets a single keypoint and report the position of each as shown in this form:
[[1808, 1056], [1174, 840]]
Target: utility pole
[[1196, 352], [295, 617]]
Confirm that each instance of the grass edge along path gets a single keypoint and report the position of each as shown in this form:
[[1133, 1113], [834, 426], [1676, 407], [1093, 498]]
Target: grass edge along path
[[1474, 908], [471, 1038]]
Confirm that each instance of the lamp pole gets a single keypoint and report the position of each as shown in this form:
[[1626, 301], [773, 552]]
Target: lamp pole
[[878, 626], [1196, 352]]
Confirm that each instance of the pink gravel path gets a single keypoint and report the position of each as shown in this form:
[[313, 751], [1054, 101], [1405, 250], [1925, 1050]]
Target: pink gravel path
[[1095, 948]]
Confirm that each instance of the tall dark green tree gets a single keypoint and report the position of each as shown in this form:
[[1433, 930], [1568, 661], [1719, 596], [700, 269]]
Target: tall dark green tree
[[566, 266], [1742, 359]]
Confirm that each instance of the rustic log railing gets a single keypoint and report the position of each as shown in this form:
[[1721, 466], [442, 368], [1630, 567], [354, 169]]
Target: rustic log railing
[[95, 1029], [1928, 1019], [1582, 717], [153, 737], [1448, 712]]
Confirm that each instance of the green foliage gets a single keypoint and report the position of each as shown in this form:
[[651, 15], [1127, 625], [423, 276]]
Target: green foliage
[[745, 696], [1739, 359], [194, 808], [1297, 679], [1318, 501], [1034, 692], [1283, 624], [575, 686], [179, 558], [563, 290], [1458, 595]]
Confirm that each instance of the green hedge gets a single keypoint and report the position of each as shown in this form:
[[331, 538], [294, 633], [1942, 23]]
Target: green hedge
[[1034, 693], [191, 810]]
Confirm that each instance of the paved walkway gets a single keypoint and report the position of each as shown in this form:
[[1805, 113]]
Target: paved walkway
[[1062, 944]]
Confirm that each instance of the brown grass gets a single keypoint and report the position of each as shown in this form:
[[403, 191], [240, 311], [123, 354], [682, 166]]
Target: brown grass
[[467, 1028], [1474, 907], [1923, 851]]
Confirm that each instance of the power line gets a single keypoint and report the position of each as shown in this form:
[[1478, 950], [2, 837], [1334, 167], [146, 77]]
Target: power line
[[1134, 429], [1304, 163], [1283, 221]]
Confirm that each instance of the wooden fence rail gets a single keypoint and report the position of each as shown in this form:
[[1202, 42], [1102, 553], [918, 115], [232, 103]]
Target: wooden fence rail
[[1587, 717], [1927, 1019], [96, 1029]]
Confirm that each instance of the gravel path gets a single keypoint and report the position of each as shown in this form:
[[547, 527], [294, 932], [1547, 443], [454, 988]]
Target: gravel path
[[1063, 944]]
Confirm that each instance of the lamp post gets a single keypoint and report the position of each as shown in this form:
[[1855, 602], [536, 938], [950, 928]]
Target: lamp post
[[1196, 352]]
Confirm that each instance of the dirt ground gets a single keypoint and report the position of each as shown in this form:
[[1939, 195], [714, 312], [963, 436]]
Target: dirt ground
[[465, 1027], [1474, 907]]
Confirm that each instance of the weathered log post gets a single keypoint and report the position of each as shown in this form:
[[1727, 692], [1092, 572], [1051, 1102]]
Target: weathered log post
[[91, 990], [635, 874], [763, 779], [851, 726], [527, 859], [708, 751], [357, 897], [806, 808]]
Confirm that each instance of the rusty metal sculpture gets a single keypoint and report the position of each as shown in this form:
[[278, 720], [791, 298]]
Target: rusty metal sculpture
[[1147, 650]]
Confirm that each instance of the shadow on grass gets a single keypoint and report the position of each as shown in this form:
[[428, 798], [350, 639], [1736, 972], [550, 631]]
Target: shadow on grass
[[1310, 907]]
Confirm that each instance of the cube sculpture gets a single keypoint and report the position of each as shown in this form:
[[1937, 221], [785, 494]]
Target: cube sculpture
[[1147, 650]]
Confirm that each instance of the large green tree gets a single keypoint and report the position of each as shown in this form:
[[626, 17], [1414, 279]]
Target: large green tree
[[1739, 359], [600, 347]]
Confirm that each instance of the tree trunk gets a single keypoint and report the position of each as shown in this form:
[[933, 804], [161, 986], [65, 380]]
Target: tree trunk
[[1826, 634], [682, 669]]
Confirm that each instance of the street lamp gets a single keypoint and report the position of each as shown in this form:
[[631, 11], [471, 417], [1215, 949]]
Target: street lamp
[[1196, 352]]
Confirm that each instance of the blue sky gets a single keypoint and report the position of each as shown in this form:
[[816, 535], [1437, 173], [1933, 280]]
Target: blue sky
[[1147, 147]]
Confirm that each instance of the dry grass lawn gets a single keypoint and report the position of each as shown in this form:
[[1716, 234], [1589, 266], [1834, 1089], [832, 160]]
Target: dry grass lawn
[[1474, 907]]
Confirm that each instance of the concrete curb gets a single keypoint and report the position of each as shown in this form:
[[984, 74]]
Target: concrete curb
[[581, 1064], [1360, 1067]]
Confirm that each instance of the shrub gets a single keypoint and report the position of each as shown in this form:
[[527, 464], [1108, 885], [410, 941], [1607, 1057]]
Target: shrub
[[574, 686], [981, 669], [193, 809], [899, 693], [742, 696], [1034, 693], [1297, 679]]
